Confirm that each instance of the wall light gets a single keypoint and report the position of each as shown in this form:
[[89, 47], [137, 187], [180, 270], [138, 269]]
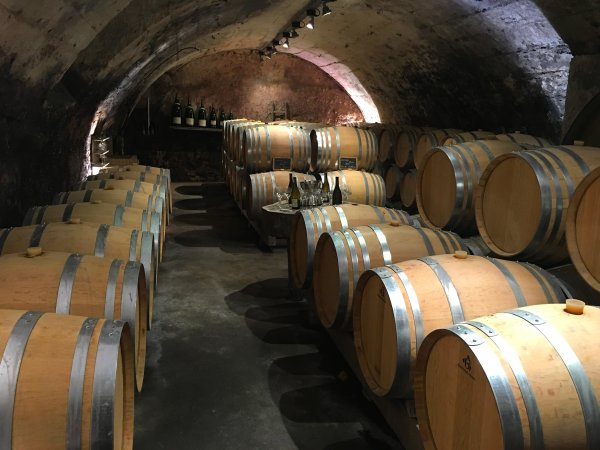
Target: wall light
[[326, 9]]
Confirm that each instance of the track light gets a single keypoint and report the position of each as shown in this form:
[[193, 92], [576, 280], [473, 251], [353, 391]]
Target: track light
[[286, 43], [311, 13], [326, 9]]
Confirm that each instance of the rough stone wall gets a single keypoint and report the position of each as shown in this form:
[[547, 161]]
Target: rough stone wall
[[238, 82]]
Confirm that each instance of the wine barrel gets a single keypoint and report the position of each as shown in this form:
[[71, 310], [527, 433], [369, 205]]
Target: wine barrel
[[583, 229], [408, 190], [128, 244], [239, 193], [101, 213], [447, 181], [387, 138], [527, 378], [228, 127], [126, 198], [430, 139], [80, 285], [261, 189], [237, 138], [406, 142], [308, 225], [334, 148], [362, 187], [526, 139], [393, 180], [467, 136], [156, 190], [396, 306], [67, 382], [522, 202], [122, 160], [139, 168], [380, 169], [275, 147], [139, 176], [342, 256]]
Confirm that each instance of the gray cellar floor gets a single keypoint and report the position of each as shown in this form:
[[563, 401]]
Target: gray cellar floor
[[232, 362]]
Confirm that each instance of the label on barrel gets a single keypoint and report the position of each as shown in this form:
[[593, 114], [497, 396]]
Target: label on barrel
[[282, 164], [348, 163]]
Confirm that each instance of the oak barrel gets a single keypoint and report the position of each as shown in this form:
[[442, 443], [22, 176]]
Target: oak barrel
[[127, 244], [362, 187], [430, 139], [261, 189], [130, 199], [101, 213], [406, 142], [80, 285], [396, 306], [265, 147], [447, 181], [522, 202], [237, 138], [583, 229], [466, 136], [66, 382], [408, 190], [157, 190], [526, 378], [387, 138], [332, 146], [342, 256], [139, 176], [393, 179], [309, 224], [526, 139]]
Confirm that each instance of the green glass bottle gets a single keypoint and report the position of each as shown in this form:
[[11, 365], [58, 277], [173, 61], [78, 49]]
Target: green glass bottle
[[176, 112], [222, 117], [201, 115], [213, 117], [295, 195], [230, 116], [325, 189], [336, 198], [189, 114]]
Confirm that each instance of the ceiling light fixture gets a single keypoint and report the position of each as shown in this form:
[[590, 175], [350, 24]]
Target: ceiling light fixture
[[326, 9], [286, 43], [312, 13]]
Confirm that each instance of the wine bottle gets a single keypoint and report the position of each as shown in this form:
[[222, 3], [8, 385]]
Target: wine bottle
[[336, 198], [230, 116], [202, 115], [176, 112], [189, 114], [213, 117], [222, 117], [325, 189], [295, 195], [290, 186]]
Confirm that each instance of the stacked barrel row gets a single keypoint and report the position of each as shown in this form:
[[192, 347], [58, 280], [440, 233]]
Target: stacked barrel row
[[78, 280], [485, 329], [258, 158]]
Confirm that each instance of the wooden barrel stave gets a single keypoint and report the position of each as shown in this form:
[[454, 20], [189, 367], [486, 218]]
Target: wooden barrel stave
[[80, 285], [428, 140], [393, 180], [365, 188], [86, 408], [431, 292]]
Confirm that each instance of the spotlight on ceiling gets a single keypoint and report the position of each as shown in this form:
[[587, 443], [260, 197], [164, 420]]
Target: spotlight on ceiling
[[311, 14], [326, 9], [286, 43]]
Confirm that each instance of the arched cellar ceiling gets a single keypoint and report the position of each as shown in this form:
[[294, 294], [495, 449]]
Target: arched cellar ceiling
[[505, 62]]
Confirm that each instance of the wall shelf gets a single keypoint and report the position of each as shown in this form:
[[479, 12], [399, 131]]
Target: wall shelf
[[182, 128]]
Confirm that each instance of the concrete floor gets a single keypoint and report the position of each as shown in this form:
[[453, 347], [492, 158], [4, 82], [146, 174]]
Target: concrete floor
[[232, 361]]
